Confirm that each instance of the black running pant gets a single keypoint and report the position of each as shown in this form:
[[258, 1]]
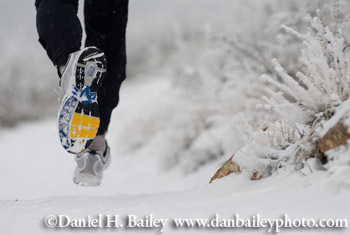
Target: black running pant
[[60, 33]]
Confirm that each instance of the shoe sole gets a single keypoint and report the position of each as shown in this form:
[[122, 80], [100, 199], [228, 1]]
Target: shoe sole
[[79, 116]]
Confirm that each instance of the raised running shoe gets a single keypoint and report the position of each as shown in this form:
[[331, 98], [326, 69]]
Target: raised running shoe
[[78, 115]]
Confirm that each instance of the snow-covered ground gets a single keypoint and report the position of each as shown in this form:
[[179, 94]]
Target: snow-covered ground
[[36, 181]]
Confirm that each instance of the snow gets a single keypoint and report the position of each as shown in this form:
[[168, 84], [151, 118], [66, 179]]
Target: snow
[[38, 183], [343, 109]]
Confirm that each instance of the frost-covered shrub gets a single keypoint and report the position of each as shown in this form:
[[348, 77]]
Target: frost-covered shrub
[[301, 108], [218, 70]]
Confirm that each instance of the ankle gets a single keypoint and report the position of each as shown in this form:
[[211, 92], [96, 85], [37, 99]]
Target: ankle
[[98, 144]]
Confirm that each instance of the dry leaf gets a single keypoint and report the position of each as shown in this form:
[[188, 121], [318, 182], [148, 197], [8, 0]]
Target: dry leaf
[[256, 176], [335, 137], [228, 168]]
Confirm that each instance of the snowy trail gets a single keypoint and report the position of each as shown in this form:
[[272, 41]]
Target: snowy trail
[[37, 181], [202, 202]]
